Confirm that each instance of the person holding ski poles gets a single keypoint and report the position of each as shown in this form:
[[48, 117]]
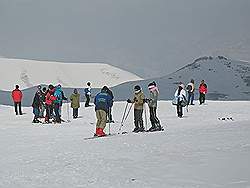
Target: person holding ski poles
[[152, 104], [138, 101], [102, 103]]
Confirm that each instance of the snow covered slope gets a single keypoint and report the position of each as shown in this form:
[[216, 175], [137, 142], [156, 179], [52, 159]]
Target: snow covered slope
[[196, 151], [226, 79], [28, 73]]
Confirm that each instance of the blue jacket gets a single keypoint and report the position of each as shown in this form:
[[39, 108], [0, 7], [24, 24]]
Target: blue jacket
[[103, 101], [58, 95]]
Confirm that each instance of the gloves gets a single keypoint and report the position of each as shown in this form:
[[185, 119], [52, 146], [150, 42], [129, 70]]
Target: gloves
[[129, 101]]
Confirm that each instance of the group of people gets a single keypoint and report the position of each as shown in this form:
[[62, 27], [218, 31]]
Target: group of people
[[50, 100], [183, 98]]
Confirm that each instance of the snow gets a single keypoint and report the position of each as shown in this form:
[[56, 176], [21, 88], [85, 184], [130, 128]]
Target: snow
[[196, 151], [28, 73]]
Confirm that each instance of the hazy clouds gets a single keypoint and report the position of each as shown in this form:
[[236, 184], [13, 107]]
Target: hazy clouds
[[148, 37]]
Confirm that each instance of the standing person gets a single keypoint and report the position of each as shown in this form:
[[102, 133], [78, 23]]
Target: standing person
[[190, 90], [43, 97], [202, 91], [63, 98], [110, 118], [180, 94], [57, 103], [102, 103], [138, 108], [75, 102], [17, 96], [87, 92], [49, 100], [36, 104], [152, 103]]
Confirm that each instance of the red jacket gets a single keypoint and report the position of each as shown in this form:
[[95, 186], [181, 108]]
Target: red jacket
[[17, 95], [50, 98], [203, 88]]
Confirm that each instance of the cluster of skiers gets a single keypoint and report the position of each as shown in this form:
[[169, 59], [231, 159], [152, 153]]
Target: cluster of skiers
[[50, 100]]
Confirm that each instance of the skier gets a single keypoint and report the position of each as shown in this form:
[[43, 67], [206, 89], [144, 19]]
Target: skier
[[87, 92], [49, 100], [138, 108], [180, 94], [190, 89], [152, 103], [110, 118], [202, 91], [75, 103], [57, 103], [36, 104], [102, 103], [17, 96]]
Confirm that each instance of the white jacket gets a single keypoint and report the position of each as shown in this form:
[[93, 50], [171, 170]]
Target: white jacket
[[182, 94]]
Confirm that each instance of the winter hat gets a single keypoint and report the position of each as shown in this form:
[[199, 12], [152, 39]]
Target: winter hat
[[88, 83], [151, 85], [137, 88], [104, 89], [17, 86], [51, 86]]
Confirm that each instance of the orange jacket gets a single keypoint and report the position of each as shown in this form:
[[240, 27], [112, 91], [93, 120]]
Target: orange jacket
[[17, 95]]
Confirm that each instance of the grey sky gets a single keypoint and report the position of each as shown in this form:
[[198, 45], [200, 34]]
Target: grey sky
[[147, 37]]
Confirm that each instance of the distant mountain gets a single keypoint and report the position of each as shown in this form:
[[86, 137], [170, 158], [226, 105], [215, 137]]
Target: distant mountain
[[29, 73], [226, 79]]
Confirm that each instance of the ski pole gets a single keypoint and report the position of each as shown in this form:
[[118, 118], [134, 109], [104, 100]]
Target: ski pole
[[68, 111], [146, 121], [109, 118], [124, 113], [126, 116]]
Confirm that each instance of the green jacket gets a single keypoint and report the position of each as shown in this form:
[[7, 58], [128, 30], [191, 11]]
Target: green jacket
[[153, 97], [138, 100], [75, 100]]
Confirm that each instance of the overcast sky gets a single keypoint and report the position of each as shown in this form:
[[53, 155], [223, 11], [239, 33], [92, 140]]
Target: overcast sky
[[147, 37]]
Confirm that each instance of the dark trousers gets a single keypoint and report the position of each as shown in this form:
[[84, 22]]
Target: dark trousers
[[190, 98], [109, 114], [179, 110], [138, 121], [155, 122], [18, 109], [202, 98], [49, 111], [87, 100], [57, 113], [75, 112]]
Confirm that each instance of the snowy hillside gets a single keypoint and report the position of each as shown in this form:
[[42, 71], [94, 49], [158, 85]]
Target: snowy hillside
[[29, 73], [196, 151], [226, 79]]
